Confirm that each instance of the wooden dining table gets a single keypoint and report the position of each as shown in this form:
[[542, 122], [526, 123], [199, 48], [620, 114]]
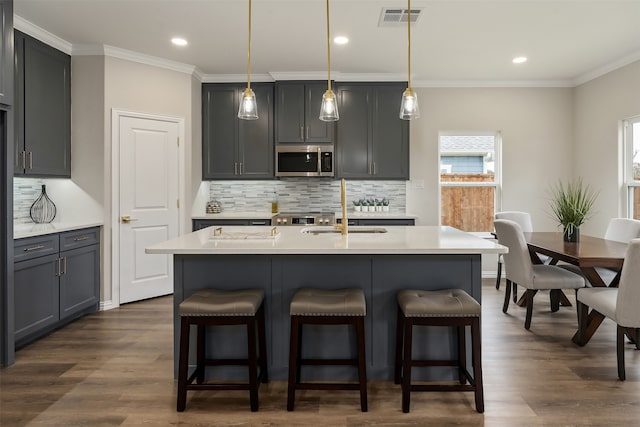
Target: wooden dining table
[[589, 253]]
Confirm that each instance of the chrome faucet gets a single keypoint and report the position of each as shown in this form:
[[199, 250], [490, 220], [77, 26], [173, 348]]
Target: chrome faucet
[[343, 201]]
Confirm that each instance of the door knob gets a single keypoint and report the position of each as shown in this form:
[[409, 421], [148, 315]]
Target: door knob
[[126, 219]]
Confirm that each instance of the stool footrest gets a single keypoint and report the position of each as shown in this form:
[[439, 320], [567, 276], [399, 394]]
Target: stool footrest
[[218, 386], [320, 362], [227, 362], [424, 363], [441, 387], [327, 386]]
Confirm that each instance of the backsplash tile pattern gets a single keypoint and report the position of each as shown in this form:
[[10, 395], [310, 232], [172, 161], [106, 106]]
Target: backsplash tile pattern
[[25, 192], [303, 194]]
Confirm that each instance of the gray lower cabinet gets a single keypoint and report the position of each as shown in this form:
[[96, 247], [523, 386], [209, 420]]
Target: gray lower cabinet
[[43, 109], [373, 142], [6, 52], [298, 113], [380, 221], [56, 280], [234, 148], [199, 224]]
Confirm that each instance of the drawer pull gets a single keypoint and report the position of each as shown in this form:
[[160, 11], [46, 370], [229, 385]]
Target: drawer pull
[[34, 248], [80, 239], [258, 223]]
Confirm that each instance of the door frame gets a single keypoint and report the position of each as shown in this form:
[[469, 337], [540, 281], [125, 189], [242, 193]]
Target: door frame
[[116, 115]]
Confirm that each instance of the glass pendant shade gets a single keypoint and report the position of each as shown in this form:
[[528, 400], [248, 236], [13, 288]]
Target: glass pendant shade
[[329, 107], [248, 107], [409, 109]]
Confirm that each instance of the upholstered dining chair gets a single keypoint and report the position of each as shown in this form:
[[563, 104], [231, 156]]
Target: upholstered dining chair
[[533, 277], [524, 220], [621, 230], [618, 304]]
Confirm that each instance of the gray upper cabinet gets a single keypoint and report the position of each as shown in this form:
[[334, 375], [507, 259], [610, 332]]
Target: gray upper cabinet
[[373, 142], [234, 148], [6, 52], [42, 109], [297, 112]]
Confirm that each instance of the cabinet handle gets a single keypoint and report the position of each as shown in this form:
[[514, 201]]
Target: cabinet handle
[[30, 160], [34, 248], [240, 168], [258, 223], [80, 239], [24, 159], [64, 265], [235, 168], [302, 133], [307, 133], [370, 169], [374, 168], [58, 274]]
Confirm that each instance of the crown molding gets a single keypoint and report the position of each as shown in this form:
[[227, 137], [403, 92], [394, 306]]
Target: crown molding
[[490, 83], [235, 78], [41, 34], [601, 71]]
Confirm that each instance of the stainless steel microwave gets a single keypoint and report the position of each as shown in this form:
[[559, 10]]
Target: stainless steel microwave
[[304, 160]]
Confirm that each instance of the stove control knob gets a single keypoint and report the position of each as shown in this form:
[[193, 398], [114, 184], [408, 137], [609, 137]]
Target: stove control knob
[[284, 221], [278, 221]]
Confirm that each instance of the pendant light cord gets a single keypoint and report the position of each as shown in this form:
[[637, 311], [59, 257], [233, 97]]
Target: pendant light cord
[[249, 51], [409, 44], [328, 51]]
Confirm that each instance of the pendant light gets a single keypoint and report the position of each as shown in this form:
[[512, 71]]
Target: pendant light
[[409, 108], [329, 107], [248, 107]]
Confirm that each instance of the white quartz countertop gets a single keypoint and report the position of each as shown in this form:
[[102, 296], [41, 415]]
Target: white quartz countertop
[[21, 231], [291, 240], [235, 215]]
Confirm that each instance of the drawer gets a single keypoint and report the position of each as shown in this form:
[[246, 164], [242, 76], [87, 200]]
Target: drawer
[[79, 238], [34, 247]]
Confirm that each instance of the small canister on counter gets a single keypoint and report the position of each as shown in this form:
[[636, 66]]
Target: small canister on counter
[[213, 207]]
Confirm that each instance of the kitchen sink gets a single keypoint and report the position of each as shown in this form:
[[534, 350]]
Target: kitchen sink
[[356, 230]]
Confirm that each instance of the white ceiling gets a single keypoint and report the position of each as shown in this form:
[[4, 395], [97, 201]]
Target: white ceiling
[[461, 42]]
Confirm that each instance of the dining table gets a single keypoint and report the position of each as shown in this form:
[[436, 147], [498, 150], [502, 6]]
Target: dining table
[[589, 254]]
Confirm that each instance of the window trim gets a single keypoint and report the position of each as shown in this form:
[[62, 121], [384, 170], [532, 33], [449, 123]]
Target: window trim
[[629, 182]]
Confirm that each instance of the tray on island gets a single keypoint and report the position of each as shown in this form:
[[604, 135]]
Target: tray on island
[[220, 234]]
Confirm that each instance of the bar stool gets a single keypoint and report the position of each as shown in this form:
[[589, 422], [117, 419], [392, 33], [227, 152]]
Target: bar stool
[[326, 307], [449, 307], [212, 307]]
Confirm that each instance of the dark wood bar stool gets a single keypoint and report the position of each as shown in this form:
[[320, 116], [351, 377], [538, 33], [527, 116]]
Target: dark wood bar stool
[[450, 307], [326, 307], [212, 307]]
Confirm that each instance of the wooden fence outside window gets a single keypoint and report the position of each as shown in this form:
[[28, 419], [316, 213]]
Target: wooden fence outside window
[[468, 208]]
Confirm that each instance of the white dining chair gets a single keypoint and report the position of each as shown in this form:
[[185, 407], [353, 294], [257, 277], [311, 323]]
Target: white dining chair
[[620, 230], [533, 277], [618, 304], [524, 220]]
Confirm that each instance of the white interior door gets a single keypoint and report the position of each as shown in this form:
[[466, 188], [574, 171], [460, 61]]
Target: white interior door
[[149, 207]]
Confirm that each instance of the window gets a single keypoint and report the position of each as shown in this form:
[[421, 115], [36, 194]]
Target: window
[[632, 165], [469, 180]]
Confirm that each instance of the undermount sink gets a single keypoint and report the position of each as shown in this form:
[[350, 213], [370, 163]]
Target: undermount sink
[[356, 230]]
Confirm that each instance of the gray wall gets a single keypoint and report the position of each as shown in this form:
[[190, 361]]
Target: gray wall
[[600, 106]]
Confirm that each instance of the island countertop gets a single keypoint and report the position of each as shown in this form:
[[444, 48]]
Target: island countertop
[[292, 240]]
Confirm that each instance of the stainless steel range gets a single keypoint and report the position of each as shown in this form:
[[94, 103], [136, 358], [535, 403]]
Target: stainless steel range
[[303, 218]]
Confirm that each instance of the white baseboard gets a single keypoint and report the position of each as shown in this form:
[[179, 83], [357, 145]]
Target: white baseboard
[[491, 274], [107, 305]]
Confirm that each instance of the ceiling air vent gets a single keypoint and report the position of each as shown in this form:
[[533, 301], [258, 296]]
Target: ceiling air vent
[[393, 17]]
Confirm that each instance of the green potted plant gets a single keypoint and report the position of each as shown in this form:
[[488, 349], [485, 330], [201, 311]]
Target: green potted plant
[[357, 205], [571, 205]]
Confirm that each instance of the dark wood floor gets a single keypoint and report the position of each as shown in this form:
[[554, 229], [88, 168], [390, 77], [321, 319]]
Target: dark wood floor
[[114, 368]]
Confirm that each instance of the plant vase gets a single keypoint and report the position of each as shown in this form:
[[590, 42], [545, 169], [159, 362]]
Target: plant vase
[[43, 210], [571, 234]]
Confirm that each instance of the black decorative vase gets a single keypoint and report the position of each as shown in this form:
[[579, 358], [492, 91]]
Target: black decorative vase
[[43, 210], [571, 234]]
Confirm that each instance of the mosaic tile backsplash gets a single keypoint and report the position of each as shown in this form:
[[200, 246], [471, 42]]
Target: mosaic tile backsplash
[[303, 194], [25, 192]]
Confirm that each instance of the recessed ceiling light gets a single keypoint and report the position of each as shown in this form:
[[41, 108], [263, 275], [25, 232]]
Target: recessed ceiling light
[[341, 40], [519, 60], [178, 41]]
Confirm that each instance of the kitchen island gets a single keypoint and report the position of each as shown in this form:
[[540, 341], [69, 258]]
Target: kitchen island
[[380, 263]]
